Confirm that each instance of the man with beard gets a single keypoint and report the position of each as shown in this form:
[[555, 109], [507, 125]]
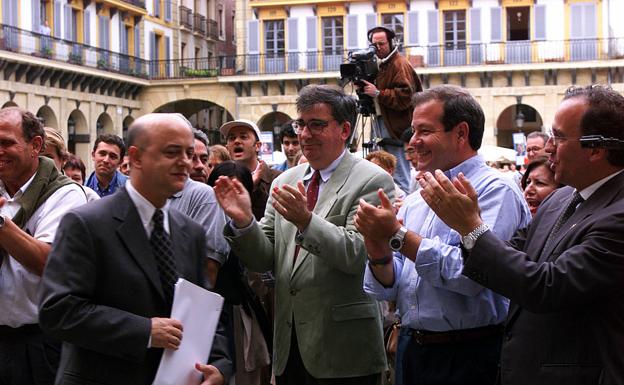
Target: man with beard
[[199, 167], [107, 154], [290, 147], [394, 86]]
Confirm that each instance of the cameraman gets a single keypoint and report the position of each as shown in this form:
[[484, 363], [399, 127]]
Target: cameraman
[[393, 89]]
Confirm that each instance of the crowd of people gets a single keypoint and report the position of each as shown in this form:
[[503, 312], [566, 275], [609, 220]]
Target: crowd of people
[[492, 281]]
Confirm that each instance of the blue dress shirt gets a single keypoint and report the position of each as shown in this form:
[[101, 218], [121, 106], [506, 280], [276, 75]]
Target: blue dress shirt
[[119, 180], [432, 294]]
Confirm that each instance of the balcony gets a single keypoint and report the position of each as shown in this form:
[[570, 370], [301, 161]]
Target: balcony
[[47, 47], [200, 24], [135, 7], [186, 18], [136, 3], [213, 29]]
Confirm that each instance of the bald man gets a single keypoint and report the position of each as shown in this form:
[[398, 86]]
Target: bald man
[[108, 287]]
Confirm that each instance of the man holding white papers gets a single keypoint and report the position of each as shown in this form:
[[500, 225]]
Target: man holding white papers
[[108, 287]]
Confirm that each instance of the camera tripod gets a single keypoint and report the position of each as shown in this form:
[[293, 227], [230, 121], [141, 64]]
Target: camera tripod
[[362, 124]]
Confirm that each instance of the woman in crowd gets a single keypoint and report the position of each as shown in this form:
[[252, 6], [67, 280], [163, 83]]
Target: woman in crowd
[[538, 182], [75, 169]]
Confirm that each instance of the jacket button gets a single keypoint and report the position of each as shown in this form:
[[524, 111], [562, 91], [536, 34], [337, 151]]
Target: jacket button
[[293, 291], [508, 336]]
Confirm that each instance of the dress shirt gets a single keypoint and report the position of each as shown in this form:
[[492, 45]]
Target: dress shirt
[[326, 173], [119, 180], [146, 210], [281, 166], [18, 285], [197, 200], [431, 293]]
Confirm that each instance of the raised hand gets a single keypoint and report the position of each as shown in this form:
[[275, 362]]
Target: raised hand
[[455, 203], [378, 223], [235, 200], [166, 333], [291, 203]]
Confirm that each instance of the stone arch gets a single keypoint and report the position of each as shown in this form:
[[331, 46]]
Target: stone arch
[[10, 104], [124, 127], [48, 117], [506, 123], [203, 114], [272, 122], [104, 125], [78, 138]]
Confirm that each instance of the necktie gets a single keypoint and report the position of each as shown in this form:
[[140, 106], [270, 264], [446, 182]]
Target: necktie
[[563, 218], [163, 252], [311, 198]]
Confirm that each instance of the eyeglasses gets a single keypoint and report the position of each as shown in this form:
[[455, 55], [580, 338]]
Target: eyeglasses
[[558, 139], [315, 126]]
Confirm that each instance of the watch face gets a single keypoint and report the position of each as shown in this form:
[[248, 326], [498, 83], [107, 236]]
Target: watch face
[[395, 244]]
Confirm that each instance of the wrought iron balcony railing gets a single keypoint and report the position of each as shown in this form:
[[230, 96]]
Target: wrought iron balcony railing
[[200, 24], [186, 18], [136, 3], [213, 29], [35, 44]]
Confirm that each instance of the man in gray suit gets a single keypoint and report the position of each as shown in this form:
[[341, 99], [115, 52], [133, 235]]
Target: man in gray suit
[[107, 289], [327, 330], [563, 273]]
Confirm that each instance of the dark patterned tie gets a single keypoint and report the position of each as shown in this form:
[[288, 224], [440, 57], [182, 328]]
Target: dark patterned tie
[[563, 218], [311, 197], [163, 252]]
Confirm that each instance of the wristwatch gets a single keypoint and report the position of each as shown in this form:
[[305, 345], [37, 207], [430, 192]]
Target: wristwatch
[[398, 239], [470, 239]]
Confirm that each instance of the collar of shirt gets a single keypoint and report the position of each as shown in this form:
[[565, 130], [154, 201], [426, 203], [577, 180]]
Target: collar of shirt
[[465, 167], [179, 193], [146, 210], [94, 184], [327, 172], [12, 205], [589, 190]]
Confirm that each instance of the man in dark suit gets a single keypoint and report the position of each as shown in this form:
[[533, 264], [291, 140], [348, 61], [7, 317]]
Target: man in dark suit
[[107, 289], [564, 273]]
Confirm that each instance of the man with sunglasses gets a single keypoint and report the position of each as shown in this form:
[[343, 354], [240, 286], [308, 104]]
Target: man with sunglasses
[[327, 329], [392, 90], [564, 272]]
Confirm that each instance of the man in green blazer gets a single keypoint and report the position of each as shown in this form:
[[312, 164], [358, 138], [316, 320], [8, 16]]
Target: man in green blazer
[[327, 330]]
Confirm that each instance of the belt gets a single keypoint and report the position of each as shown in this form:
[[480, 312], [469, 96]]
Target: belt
[[425, 337], [7, 331]]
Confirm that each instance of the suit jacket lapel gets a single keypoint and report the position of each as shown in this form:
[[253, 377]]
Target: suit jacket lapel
[[132, 234], [327, 198], [179, 241]]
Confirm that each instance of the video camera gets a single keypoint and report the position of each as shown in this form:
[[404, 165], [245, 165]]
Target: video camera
[[362, 65]]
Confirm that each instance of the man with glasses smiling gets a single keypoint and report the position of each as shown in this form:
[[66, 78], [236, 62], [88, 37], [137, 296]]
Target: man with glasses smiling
[[564, 272], [327, 329]]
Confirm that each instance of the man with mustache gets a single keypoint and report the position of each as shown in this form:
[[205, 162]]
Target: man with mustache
[[108, 151], [199, 167]]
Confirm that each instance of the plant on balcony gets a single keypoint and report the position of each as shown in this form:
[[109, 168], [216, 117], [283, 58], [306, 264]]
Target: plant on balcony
[[102, 64], [46, 52], [75, 58], [205, 73]]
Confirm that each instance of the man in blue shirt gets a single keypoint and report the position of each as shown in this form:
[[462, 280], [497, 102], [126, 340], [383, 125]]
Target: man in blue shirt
[[107, 154], [290, 147], [451, 331]]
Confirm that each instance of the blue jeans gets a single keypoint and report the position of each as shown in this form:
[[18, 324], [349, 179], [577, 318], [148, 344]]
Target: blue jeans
[[402, 171]]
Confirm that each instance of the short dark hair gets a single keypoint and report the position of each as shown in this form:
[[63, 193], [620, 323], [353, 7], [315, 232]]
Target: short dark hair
[[406, 136], [604, 116], [343, 107], [232, 169], [113, 140], [287, 131], [31, 125], [538, 134], [73, 161], [459, 106]]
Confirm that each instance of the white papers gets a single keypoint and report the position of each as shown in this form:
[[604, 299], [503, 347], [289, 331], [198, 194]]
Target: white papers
[[198, 309]]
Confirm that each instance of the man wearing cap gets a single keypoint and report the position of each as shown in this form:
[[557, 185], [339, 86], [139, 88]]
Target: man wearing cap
[[243, 143], [394, 86]]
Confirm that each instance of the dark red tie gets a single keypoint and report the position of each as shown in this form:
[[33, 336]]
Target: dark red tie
[[311, 198]]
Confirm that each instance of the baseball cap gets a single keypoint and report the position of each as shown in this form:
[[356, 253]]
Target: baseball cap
[[225, 129]]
